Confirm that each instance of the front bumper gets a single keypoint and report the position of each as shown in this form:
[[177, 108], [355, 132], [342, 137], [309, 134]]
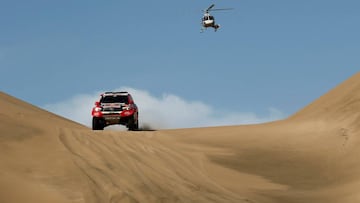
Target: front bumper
[[111, 118]]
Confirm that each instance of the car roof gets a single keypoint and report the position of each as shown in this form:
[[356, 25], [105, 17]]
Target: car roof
[[123, 93]]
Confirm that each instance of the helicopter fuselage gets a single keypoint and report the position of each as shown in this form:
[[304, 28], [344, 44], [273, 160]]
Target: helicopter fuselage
[[209, 21]]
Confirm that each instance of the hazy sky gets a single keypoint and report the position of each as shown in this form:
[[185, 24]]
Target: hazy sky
[[268, 60]]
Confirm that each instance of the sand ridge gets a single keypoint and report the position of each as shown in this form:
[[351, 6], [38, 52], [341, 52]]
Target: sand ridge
[[310, 157]]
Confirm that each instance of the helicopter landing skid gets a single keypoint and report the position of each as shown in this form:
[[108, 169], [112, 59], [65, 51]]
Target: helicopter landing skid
[[215, 28]]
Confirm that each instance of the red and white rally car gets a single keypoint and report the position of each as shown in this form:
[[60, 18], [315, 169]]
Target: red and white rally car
[[115, 108]]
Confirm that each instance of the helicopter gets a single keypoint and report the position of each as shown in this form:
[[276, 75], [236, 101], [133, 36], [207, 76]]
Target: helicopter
[[208, 20]]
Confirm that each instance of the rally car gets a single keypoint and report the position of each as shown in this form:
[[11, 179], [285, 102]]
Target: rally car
[[115, 108]]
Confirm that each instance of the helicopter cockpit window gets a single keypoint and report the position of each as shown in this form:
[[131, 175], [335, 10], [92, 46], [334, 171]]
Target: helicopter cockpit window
[[211, 18]]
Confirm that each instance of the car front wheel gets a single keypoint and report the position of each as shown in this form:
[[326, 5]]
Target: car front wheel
[[133, 124], [97, 124]]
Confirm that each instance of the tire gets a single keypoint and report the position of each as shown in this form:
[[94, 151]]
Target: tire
[[97, 124], [133, 124]]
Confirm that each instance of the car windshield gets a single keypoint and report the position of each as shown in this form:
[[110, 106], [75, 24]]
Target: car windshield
[[114, 99]]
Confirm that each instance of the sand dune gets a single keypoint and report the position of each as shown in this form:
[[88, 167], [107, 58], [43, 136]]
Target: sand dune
[[310, 157]]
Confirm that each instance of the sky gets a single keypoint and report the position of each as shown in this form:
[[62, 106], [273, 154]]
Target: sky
[[268, 60]]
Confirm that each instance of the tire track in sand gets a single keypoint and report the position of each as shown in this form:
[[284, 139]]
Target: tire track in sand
[[134, 167]]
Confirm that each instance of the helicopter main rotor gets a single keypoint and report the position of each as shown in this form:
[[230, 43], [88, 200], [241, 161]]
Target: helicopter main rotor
[[216, 9]]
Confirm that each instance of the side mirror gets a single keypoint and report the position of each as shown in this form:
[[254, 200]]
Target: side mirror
[[97, 103]]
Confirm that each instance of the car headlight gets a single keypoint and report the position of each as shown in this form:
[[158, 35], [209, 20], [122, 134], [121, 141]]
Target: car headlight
[[97, 109]]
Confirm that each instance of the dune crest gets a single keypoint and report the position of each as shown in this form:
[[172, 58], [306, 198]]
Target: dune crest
[[309, 157], [340, 104]]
